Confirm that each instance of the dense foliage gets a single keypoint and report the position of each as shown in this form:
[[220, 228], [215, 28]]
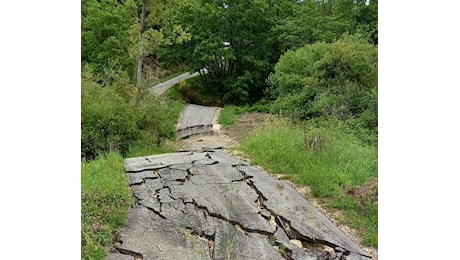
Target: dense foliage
[[314, 21], [108, 33], [110, 120], [239, 42], [232, 40], [328, 79]]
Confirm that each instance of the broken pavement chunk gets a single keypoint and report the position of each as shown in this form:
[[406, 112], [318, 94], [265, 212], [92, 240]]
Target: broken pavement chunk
[[210, 205]]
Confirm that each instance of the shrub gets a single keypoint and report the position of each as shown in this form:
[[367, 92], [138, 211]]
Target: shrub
[[338, 79], [107, 121]]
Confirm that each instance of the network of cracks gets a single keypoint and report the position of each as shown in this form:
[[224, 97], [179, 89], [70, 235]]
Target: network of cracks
[[210, 205]]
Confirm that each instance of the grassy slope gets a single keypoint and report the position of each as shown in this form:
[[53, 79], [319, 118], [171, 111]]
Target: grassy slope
[[328, 160], [229, 113], [105, 200]]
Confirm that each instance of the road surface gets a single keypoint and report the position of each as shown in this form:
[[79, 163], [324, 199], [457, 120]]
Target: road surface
[[210, 205], [196, 119], [162, 87]]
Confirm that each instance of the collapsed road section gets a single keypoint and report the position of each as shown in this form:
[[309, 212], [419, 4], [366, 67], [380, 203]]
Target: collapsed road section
[[210, 205], [196, 119]]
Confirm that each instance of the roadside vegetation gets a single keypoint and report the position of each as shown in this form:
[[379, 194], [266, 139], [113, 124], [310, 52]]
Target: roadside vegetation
[[329, 159], [114, 128], [325, 132], [105, 200]]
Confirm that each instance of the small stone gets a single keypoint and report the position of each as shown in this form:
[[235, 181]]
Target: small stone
[[330, 251], [296, 242]]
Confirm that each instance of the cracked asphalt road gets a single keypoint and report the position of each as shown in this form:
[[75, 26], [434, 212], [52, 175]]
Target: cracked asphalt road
[[210, 205]]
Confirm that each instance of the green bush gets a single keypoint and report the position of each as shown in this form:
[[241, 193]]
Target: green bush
[[159, 116], [112, 121], [108, 122], [337, 79]]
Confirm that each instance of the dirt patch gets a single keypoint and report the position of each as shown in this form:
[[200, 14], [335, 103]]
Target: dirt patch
[[246, 124], [365, 192]]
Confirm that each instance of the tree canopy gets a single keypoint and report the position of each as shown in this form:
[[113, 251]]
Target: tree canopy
[[239, 42]]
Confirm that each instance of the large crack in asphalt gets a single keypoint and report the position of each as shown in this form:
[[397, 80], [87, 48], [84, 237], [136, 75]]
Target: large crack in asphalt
[[210, 205]]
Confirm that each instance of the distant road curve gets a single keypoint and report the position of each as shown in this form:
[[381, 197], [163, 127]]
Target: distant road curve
[[162, 87]]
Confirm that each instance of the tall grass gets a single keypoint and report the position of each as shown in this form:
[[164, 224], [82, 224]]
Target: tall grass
[[105, 200], [328, 159], [229, 113], [148, 145]]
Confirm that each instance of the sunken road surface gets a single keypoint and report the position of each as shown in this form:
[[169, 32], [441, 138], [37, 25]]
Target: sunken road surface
[[210, 205]]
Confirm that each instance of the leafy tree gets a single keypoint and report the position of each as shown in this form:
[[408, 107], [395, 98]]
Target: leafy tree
[[105, 36], [233, 40], [313, 21], [118, 35], [328, 79]]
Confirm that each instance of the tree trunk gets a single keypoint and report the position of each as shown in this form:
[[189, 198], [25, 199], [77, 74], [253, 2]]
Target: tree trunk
[[140, 57]]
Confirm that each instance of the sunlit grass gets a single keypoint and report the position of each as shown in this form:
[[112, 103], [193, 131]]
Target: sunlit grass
[[105, 200], [327, 159]]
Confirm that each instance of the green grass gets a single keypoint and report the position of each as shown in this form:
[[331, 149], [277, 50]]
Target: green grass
[[229, 113], [105, 200], [328, 159]]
